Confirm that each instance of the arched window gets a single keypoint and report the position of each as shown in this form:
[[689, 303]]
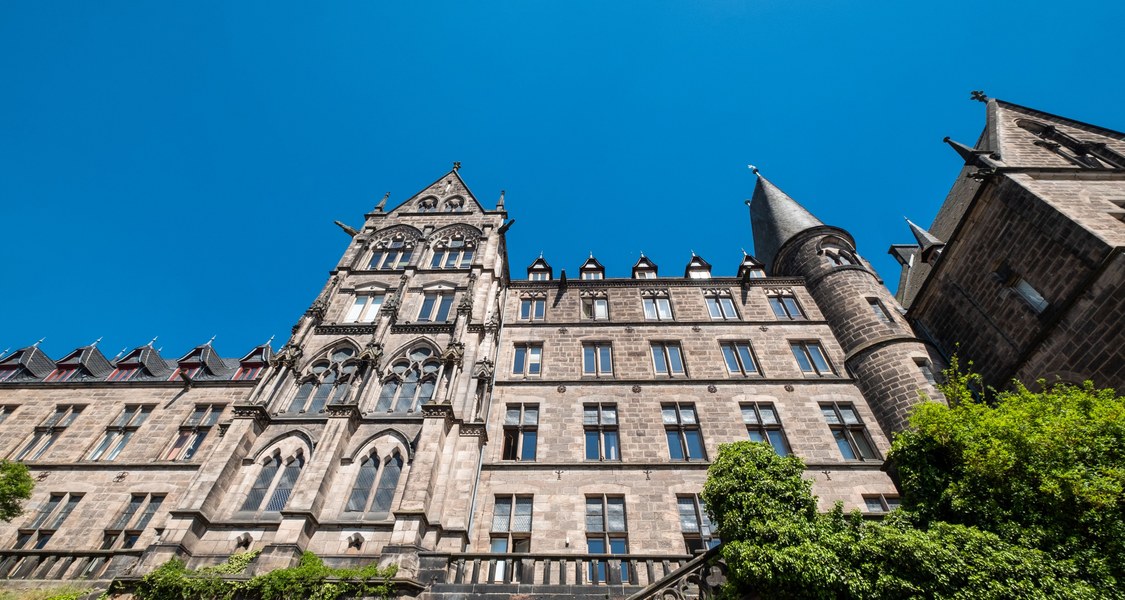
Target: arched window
[[455, 204], [275, 481], [328, 382], [361, 498], [410, 383], [427, 204], [454, 252], [392, 253], [838, 255]]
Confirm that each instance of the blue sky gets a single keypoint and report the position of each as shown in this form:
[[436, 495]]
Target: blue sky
[[173, 169]]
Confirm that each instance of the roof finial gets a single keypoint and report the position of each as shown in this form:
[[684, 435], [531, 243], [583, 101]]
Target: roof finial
[[36, 344], [744, 252], [123, 351], [209, 341], [591, 254], [456, 165], [95, 344], [383, 202], [540, 254], [5, 352], [753, 169], [269, 340], [500, 202], [152, 342], [978, 95]]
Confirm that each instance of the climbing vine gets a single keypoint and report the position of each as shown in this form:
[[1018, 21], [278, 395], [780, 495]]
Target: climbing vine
[[310, 579]]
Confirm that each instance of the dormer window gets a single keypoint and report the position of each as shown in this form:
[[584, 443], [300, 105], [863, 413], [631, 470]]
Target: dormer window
[[539, 276], [644, 269], [190, 370], [247, 372], [593, 275], [591, 269], [124, 373], [63, 373], [697, 268], [539, 270], [9, 373]]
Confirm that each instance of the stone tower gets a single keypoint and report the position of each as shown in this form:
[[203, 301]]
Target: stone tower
[[890, 364], [366, 430]]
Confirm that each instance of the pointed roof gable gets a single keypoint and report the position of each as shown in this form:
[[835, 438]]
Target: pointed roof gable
[[89, 359], [259, 355], [591, 266], [147, 357], [448, 194], [775, 218], [644, 265], [1023, 137], [928, 242], [31, 360], [751, 267], [204, 355], [540, 265], [697, 267]]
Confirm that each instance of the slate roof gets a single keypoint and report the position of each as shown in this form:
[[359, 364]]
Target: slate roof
[[775, 218]]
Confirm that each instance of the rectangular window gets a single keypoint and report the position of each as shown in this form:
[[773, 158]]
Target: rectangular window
[[365, 308], [739, 357], [695, 524], [879, 310], [763, 425], [247, 372], [785, 307], [1030, 295], [849, 431], [63, 373], [596, 309], [527, 359], [597, 359], [667, 358], [539, 276], [118, 433], [685, 441], [533, 309], [193, 431], [521, 425], [607, 533], [48, 520], [125, 373], [880, 503], [721, 307], [511, 532], [810, 357], [592, 275], [127, 528], [454, 255], [435, 307], [49, 431], [600, 423], [657, 308]]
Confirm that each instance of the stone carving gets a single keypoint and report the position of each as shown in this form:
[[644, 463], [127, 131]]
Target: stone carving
[[561, 389], [483, 369], [712, 388], [453, 353], [636, 389], [344, 329], [288, 357], [372, 356]]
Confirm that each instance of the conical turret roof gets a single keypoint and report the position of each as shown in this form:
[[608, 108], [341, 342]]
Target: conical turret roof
[[926, 240], [775, 218]]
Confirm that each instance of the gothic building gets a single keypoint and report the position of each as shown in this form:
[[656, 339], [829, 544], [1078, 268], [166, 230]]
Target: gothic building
[[486, 431]]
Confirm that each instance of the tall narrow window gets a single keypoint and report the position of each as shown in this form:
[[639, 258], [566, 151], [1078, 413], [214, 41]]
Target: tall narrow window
[[127, 528], [364, 309], [763, 425], [49, 431], [193, 431], [667, 358], [382, 477], [849, 431], [527, 359], [597, 359], [118, 434], [435, 307], [695, 524], [411, 381], [607, 533], [720, 306], [681, 427], [6, 411], [658, 306], [47, 521], [275, 481], [511, 532], [785, 307], [600, 424], [810, 357], [521, 431], [328, 382], [739, 357], [533, 308], [248, 371]]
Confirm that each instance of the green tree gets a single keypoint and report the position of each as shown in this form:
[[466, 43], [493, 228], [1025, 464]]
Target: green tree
[[1021, 497], [15, 487]]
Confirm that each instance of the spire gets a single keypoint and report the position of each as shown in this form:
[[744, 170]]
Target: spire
[[775, 219], [382, 203], [500, 202], [928, 242]]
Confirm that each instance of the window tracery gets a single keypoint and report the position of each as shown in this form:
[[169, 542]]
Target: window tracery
[[327, 382], [454, 251], [393, 252], [410, 381], [375, 484]]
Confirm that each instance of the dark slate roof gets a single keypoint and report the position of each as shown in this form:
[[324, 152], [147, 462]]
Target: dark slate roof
[[538, 265], [261, 354], [926, 240], [33, 361], [775, 218], [90, 360], [591, 264], [206, 356], [696, 264], [644, 263], [146, 356]]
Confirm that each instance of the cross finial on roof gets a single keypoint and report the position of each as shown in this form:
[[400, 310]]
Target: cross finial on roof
[[978, 95], [456, 165], [753, 169]]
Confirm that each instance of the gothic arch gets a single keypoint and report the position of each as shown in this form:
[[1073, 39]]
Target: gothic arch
[[462, 229], [407, 232], [409, 378], [304, 440], [394, 439]]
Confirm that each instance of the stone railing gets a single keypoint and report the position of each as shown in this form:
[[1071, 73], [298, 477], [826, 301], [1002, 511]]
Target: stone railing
[[48, 564], [699, 578]]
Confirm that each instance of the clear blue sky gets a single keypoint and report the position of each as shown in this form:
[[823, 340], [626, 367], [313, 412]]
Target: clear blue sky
[[173, 169]]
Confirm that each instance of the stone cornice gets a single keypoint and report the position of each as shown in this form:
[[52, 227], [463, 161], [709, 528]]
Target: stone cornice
[[741, 381], [666, 324], [423, 328], [345, 329], [659, 282]]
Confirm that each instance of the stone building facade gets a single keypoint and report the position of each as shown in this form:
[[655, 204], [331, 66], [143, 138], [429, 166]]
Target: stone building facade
[[483, 430]]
